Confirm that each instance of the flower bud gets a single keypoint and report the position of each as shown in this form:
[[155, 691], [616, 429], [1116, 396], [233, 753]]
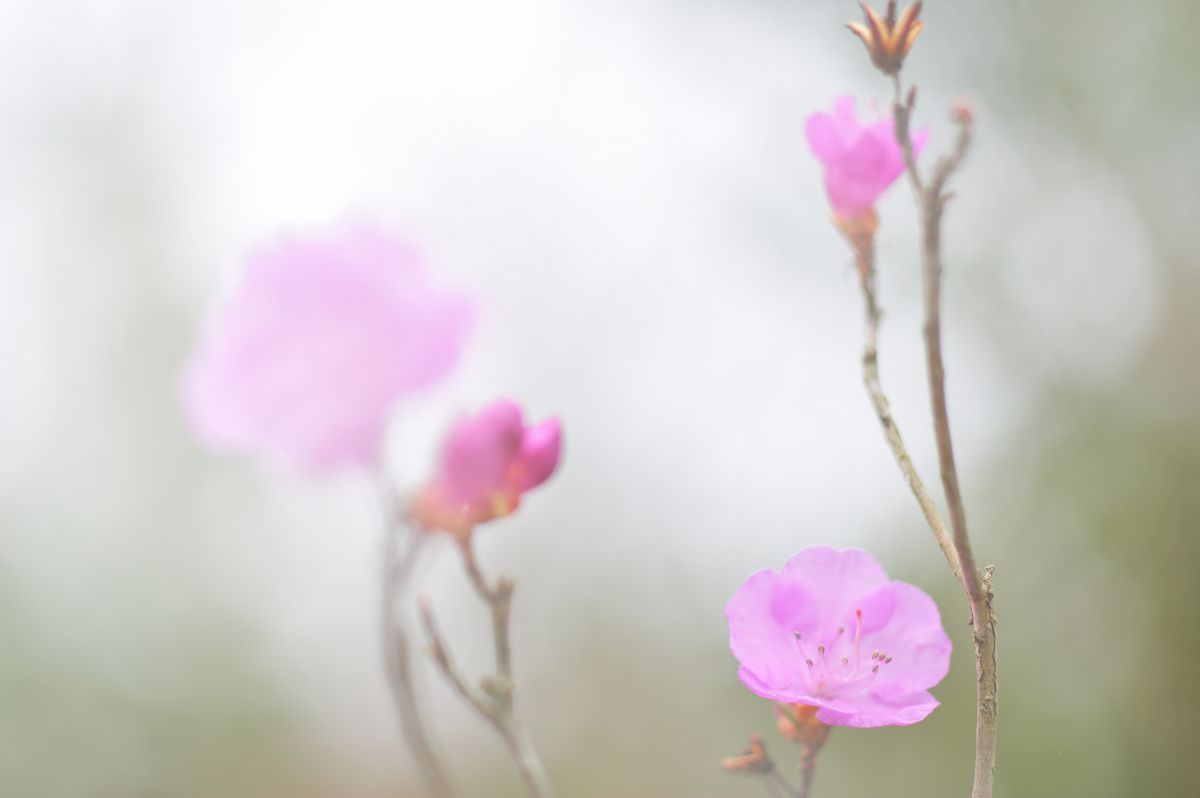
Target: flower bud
[[888, 38]]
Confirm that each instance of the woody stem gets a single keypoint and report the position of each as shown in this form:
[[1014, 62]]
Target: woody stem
[[931, 201]]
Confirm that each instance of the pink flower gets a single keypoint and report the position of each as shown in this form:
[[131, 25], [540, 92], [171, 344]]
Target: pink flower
[[860, 160], [311, 352], [831, 631], [488, 462]]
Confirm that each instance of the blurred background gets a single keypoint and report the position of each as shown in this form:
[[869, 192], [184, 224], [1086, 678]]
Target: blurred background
[[626, 188]]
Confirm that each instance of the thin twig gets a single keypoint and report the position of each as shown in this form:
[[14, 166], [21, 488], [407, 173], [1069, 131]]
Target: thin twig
[[776, 778], [494, 700], [397, 569], [931, 200], [864, 251], [441, 658]]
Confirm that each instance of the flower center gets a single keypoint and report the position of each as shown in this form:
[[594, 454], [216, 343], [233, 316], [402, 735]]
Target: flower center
[[838, 663]]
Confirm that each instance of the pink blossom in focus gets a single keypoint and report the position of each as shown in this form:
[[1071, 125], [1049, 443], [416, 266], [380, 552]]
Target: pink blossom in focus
[[314, 347], [488, 462], [860, 160], [830, 630]]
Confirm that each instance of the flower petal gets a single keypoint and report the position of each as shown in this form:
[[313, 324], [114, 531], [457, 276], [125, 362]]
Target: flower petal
[[875, 711], [480, 451], [541, 447]]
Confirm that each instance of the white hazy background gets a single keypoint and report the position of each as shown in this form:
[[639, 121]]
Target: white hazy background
[[626, 189]]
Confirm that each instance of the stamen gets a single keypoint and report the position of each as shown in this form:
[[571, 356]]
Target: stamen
[[857, 638], [809, 662]]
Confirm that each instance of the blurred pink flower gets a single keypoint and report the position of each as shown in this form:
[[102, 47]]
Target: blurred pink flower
[[311, 352], [488, 461], [860, 160], [831, 631]]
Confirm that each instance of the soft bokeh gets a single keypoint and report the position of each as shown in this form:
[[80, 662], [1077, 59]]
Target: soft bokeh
[[314, 349], [626, 185]]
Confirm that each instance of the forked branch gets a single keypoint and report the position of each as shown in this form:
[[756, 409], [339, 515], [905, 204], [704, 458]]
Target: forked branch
[[401, 552], [493, 700], [931, 201]]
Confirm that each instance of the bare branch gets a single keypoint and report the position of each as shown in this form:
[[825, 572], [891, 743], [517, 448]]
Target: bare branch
[[931, 201], [397, 570], [494, 701], [864, 252], [440, 654]]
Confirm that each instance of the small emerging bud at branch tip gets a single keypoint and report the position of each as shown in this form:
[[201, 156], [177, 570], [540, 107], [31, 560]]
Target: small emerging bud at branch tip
[[889, 37], [753, 761], [962, 113]]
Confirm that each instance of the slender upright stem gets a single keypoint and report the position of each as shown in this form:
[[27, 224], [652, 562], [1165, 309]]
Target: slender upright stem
[[397, 569], [494, 700], [864, 252], [931, 200], [810, 745], [807, 767]]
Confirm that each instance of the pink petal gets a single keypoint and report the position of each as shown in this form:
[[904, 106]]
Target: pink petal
[[541, 447], [480, 451], [308, 357], [916, 641], [822, 137], [875, 711], [861, 160], [759, 615], [840, 575]]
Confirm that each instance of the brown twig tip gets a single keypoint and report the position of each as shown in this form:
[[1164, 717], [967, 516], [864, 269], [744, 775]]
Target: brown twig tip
[[754, 760], [889, 37]]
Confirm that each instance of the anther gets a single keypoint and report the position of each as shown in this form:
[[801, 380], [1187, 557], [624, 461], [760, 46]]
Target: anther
[[809, 663], [845, 660], [841, 630]]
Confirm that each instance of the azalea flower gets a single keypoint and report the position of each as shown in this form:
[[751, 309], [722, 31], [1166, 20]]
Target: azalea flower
[[315, 346], [861, 160], [831, 631], [488, 462]]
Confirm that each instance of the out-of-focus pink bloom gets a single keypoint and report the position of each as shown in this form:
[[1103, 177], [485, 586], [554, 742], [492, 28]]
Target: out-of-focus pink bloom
[[831, 631], [488, 462], [311, 352], [861, 160]]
